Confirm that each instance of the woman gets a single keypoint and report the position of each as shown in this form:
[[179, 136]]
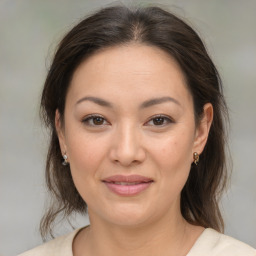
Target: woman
[[135, 109]]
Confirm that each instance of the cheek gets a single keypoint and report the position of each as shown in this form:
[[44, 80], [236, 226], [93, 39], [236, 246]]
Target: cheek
[[86, 154], [173, 157], [174, 150], [86, 158]]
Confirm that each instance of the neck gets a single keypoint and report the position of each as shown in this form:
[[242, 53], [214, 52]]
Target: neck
[[172, 236]]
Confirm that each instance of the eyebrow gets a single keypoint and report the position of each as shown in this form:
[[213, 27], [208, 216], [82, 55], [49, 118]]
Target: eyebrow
[[156, 101], [96, 100], [145, 104]]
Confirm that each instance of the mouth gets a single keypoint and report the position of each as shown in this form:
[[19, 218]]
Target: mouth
[[127, 185]]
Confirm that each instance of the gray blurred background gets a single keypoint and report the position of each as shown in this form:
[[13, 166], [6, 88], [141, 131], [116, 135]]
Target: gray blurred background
[[29, 32]]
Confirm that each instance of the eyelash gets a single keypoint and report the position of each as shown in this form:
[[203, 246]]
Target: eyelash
[[93, 117], [166, 119]]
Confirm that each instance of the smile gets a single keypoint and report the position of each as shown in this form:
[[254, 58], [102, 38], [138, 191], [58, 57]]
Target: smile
[[127, 185]]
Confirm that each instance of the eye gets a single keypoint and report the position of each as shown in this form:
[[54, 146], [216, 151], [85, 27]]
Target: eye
[[160, 120], [95, 120]]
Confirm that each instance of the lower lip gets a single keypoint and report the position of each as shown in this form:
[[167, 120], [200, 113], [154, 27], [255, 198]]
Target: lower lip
[[128, 190]]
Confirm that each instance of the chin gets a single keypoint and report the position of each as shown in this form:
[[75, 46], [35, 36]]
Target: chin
[[130, 215]]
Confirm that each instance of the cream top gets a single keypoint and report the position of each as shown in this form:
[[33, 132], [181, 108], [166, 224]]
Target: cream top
[[209, 243]]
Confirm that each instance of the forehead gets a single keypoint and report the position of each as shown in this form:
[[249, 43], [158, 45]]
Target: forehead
[[135, 69]]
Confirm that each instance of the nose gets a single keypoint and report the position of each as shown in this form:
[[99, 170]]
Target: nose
[[127, 146]]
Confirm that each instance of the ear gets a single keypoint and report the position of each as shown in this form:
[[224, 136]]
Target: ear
[[203, 128], [60, 132]]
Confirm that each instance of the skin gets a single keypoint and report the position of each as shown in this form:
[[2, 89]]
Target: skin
[[127, 139]]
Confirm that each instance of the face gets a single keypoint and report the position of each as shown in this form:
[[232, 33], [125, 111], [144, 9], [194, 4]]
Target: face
[[129, 134]]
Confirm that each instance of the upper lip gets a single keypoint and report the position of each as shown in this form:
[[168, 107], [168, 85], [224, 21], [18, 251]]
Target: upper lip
[[128, 179]]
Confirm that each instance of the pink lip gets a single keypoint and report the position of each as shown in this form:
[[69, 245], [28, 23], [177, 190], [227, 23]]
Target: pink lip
[[127, 188]]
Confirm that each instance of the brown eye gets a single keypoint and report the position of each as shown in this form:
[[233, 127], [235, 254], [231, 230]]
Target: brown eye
[[158, 121], [98, 120], [94, 120]]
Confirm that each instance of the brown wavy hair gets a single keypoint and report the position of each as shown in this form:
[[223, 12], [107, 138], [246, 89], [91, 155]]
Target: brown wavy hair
[[118, 25]]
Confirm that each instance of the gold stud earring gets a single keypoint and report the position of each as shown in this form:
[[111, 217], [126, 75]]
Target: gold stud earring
[[196, 158]]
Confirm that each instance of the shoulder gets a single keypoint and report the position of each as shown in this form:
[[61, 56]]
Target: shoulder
[[56, 247], [213, 243]]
